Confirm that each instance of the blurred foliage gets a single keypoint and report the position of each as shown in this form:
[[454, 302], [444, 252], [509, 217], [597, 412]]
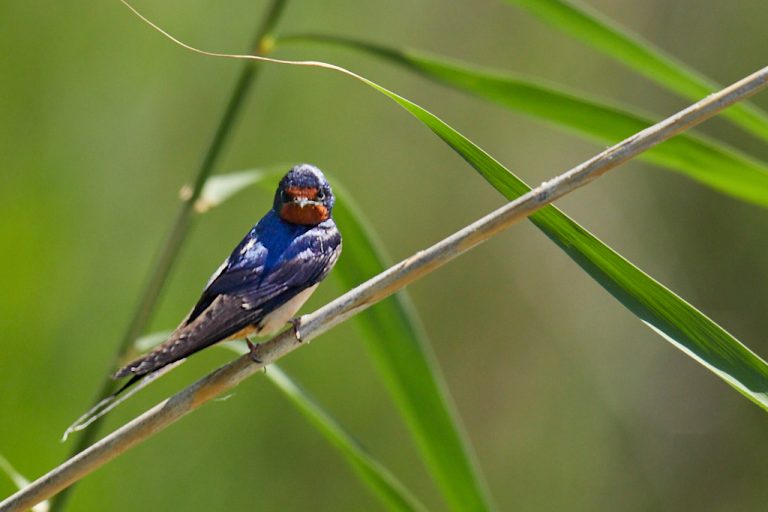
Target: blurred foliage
[[603, 34], [569, 401]]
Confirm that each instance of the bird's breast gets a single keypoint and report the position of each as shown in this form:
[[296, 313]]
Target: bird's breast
[[275, 320]]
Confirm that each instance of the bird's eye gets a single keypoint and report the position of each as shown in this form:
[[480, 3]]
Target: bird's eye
[[284, 196], [321, 195]]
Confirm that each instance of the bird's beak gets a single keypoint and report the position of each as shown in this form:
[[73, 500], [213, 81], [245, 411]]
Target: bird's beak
[[303, 201]]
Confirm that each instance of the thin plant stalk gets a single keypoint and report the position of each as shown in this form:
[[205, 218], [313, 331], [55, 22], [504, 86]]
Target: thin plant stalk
[[178, 233]]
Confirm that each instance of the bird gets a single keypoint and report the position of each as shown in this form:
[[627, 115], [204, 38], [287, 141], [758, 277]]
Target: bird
[[259, 287], [267, 277]]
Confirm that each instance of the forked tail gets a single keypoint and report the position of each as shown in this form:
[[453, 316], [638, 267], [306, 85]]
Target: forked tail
[[133, 385]]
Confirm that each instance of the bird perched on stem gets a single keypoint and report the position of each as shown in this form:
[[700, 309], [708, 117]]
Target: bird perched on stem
[[268, 276], [262, 284]]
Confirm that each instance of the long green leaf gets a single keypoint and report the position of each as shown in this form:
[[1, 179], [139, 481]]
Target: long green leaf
[[20, 482], [381, 481], [666, 313], [378, 478], [403, 355], [384, 484], [221, 187], [714, 164], [394, 336], [584, 23]]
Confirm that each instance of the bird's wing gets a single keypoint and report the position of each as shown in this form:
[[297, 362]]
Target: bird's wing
[[305, 263], [241, 295], [239, 270]]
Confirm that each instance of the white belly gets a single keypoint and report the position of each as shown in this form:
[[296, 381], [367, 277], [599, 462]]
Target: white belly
[[275, 321]]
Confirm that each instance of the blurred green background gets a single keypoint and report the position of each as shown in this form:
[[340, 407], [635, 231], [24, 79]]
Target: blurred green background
[[570, 402]]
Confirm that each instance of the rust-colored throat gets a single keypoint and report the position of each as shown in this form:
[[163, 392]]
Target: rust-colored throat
[[301, 206]]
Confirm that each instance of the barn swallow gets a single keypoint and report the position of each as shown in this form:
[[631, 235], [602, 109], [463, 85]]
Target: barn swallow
[[258, 289], [266, 279]]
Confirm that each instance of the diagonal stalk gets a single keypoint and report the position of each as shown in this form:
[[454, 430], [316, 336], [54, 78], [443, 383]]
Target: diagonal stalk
[[178, 233]]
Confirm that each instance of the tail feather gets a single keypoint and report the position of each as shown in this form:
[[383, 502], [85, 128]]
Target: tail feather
[[223, 318], [166, 353], [131, 387]]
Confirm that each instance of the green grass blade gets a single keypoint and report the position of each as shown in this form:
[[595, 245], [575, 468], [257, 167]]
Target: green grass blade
[[394, 495], [402, 353], [221, 187], [20, 482], [669, 315], [401, 350], [591, 27], [382, 482], [14, 476], [709, 162]]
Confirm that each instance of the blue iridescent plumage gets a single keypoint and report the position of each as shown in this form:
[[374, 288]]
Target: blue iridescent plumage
[[267, 277]]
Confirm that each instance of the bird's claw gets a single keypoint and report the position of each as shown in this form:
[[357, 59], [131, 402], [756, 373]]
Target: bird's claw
[[296, 324], [252, 349]]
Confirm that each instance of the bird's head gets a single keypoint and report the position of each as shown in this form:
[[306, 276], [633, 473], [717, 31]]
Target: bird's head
[[304, 196]]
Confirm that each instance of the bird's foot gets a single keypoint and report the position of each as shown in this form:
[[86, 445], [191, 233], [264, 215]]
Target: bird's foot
[[252, 349], [296, 324]]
